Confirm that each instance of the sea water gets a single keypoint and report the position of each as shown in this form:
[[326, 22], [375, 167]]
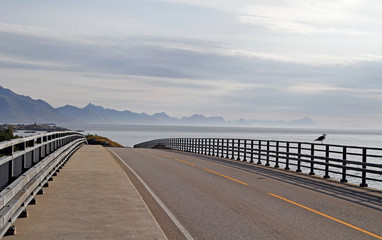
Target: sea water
[[129, 135]]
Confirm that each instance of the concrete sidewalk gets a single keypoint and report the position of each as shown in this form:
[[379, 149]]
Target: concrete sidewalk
[[91, 198]]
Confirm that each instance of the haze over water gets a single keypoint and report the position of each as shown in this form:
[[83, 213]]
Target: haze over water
[[129, 135]]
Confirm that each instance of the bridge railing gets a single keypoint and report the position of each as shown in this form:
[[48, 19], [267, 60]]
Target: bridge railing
[[331, 161], [26, 164]]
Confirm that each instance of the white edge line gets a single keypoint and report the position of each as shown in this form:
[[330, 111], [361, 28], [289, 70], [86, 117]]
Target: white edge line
[[143, 201], [167, 211]]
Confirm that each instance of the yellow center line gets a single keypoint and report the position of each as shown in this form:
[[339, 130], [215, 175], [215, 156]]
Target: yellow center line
[[327, 216], [226, 176], [184, 162], [177, 159], [163, 155]]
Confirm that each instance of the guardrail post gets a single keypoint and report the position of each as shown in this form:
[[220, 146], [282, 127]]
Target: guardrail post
[[298, 157], [327, 152], [311, 160], [9, 151], [343, 179], [287, 157], [267, 164], [259, 153], [277, 155], [22, 147], [364, 155], [251, 161], [238, 149]]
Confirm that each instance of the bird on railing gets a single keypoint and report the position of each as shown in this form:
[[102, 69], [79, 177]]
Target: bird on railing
[[321, 138]]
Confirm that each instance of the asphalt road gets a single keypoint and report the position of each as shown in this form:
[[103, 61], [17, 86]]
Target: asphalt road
[[212, 198]]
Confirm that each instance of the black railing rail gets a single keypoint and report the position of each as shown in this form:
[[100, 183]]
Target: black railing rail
[[329, 160]]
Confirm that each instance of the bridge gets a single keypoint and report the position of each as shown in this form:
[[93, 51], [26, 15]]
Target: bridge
[[187, 188]]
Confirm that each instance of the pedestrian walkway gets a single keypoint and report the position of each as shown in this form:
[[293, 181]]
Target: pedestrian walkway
[[91, 198]]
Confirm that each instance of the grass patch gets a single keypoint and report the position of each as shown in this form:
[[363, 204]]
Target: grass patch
[[99, 140]]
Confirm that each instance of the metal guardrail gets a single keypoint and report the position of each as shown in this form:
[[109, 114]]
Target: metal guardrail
[[26, 164], [343, 162]]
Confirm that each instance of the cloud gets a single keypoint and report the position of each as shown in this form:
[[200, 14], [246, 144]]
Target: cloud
[[183, 76], [308, 16]]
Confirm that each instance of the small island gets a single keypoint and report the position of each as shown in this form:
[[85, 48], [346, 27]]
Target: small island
[[47, 127]]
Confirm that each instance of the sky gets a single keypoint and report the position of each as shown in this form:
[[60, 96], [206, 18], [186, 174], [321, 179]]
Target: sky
[[252, 59]]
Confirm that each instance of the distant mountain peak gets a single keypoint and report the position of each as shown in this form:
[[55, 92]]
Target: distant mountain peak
[[92, 106], [161, 114], [23, 109]]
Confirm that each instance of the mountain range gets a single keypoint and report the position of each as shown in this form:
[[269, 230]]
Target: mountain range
[[16, 108]]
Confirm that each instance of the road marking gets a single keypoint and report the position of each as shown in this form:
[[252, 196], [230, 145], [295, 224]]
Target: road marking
[[226, 176], [163, 155], [184, 162], [167, 211], [175, 159], [327, 216]]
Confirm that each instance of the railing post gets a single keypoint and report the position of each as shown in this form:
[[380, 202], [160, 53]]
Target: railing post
[[259, 153], [204, 142], [364, 155], [298, 157], [209, 146], [238, 149], [251, 161], [343, 179], [232, 149], [245, 151], [218, 147], [222, 148], [327, 152], [277, 155], [267, 164], [311, 160], [213, 147], [227, 148], [287, 157], [198, 145]]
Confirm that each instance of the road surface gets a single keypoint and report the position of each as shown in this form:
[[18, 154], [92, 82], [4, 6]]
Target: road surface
[[201, 197]]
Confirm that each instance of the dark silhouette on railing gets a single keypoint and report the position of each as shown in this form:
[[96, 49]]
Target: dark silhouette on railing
[[364, 163]]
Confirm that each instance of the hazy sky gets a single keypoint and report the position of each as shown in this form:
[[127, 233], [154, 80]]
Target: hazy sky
[[265, 59]]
